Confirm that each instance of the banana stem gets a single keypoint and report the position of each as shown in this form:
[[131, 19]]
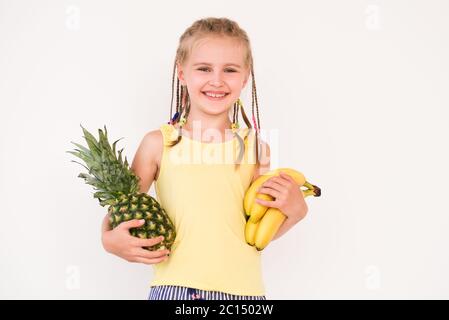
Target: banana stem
[[311, 190], [307, 193]]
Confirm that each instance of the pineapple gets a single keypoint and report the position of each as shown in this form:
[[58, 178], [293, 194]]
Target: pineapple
[[118, 187]]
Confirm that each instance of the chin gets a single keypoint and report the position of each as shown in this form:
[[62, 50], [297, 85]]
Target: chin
[[214, 110]]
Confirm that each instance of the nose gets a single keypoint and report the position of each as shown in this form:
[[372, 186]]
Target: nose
[[216, 79]]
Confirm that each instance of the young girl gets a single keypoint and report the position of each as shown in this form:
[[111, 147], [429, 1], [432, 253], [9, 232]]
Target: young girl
[[201, 183]]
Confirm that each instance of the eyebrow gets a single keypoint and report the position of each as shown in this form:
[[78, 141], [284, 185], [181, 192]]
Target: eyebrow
[[208, 64]]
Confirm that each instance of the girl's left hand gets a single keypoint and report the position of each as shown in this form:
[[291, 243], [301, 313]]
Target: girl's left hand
[[288, 197]]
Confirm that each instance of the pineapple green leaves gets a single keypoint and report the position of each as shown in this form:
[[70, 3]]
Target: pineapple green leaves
[[107, 172]]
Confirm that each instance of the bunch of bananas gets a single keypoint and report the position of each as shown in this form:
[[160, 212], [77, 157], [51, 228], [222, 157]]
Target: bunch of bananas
[[262, 223]]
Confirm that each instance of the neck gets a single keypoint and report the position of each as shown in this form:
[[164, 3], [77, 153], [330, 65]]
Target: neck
[[199, 122]]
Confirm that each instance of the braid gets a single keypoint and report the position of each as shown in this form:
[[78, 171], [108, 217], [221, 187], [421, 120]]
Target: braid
[[256, 125], [187, 104], [177, 95], [255, 97], [235, 117], [172, 89], [182, 99], [245, 118], [177, 116]]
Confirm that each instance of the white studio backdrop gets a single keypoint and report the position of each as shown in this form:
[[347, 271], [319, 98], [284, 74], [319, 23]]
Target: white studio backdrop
[[355, 94]]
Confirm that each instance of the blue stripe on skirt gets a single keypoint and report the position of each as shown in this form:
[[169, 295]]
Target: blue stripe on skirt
[[169, 292]]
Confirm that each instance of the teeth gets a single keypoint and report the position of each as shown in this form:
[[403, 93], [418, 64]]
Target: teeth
[[214, 95]]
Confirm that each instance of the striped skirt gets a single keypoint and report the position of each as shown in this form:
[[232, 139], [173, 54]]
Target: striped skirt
[[169, 292]]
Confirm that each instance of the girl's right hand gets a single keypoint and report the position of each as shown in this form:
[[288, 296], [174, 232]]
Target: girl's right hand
[[119, 242]]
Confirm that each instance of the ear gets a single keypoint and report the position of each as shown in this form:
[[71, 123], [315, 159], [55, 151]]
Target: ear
[[180, 74]]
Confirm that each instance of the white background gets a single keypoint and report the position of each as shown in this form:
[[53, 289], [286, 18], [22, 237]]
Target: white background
[[356, 90]]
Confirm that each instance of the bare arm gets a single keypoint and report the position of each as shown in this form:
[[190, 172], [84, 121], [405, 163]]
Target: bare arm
[[144, 164], [286, 225], [264, 165]]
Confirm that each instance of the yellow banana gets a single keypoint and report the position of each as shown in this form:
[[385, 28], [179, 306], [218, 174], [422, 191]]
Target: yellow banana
[[250, 232], [256, 210], [250, 195], [268, 227], [270, 223]]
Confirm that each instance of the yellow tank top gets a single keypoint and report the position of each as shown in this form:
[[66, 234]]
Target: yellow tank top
[[203, 194]]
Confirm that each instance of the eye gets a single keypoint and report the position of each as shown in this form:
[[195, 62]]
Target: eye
[[205, 69]]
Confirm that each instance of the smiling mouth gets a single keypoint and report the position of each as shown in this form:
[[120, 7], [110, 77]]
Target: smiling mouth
[[215, 97]]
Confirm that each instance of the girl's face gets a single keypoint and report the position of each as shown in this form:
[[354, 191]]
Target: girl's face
[[215, 66]]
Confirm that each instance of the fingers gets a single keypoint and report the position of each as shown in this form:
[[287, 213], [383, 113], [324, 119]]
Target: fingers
[[287, 177], [156, 254], [272, 192], [274, 184], [131, 224], [149, 261], [271, 204], [148, 242]]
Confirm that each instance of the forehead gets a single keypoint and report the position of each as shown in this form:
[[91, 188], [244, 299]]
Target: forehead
[[216, 50]]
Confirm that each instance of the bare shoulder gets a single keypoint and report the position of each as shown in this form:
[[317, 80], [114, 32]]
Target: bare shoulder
[[264, 165], [155, 142], [147, 159]]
